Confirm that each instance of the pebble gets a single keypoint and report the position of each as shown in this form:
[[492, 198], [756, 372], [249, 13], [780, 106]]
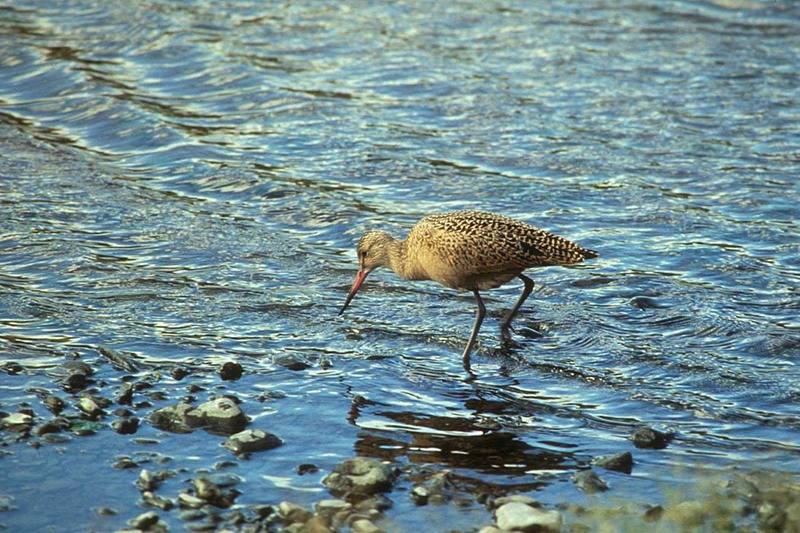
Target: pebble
[[55, 425], [165, 504], [589, 482], [252, 440], [230, 371], [516, 516], [292, 362], [620, 462], [124, 462], [188, 501], [328, 508], [647, 437]]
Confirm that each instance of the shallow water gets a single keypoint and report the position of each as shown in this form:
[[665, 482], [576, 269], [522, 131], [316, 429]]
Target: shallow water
[[185, 182]]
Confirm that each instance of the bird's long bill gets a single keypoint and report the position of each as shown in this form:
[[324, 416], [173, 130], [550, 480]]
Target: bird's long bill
[[360, 277]]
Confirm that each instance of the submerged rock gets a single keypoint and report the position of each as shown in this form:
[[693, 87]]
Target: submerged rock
[[360, 476], [172, 418], [588, 481], [144, 521], [647, 437], [54, 404], [221, 415], [126, 425], [620, 462], [252, 440], [364, 526], [517, 516]]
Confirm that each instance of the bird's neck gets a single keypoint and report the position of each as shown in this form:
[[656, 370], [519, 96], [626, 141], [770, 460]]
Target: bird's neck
[[396, 254]]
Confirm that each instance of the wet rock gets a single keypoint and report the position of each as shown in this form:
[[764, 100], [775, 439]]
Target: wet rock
[[589, 482], [494, 503], [19, 422], [124, 462], [329, 508], [90, 408], [221, 415], [317, 524], [188, 501], [149, 481], [252, 440], [77, 375], [122, 412], [54, 404], [149, 498], [647, 437], [125, 394], [106, 511], [224, 480], [12, 368], [55, 425], [126, 426], [230, 371], [360, 476], [291, 513], [179, 372], [643, 302], [172, 418], [620, 462], [420, 495], [6, 504], [157, 396], [194, 388], [516, 516], [121, 360], [144, 521], [364, 526], [490, 529], [292, 362], [307, 468], [210, 492], [378, 503]]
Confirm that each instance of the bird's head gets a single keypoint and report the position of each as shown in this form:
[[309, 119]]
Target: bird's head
[[373, 252]]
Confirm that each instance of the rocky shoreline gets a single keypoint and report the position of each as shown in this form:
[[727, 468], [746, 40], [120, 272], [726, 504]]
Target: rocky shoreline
[[361, 491]]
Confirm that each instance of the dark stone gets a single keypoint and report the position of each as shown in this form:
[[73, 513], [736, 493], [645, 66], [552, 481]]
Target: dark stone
[[75, 381], [179, 372], [126, 426], [292, 362], [643, 302], [307, 468], [230, 371], [621, 462], [588, 481], [647, 437], [194, 388], [54, 404], [78, 367], [106, 511], [157, 396], [252, 440], [172, 418], [55, 425], [13, 368], [122, 412], [125, 394]]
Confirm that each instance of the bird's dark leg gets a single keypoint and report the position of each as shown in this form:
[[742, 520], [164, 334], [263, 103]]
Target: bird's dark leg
[[505, 324], [475, 328]]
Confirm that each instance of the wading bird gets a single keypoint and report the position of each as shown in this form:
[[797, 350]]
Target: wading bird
[[468, 251]]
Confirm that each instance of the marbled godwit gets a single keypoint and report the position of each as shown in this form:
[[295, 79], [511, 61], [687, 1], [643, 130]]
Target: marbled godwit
[[468, 251]]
